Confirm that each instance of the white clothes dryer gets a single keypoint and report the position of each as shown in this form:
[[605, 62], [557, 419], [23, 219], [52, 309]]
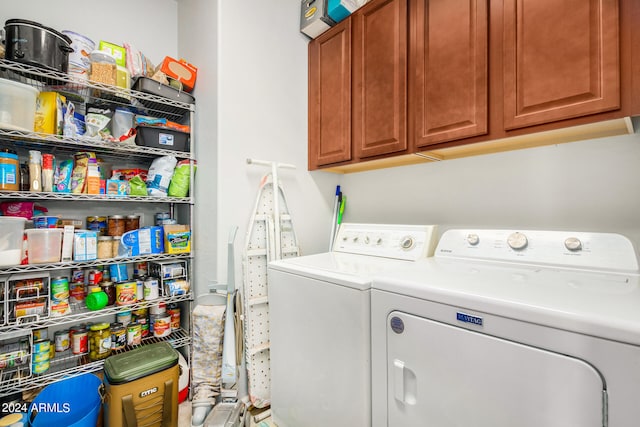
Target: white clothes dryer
[[510, 329], [319, 321]]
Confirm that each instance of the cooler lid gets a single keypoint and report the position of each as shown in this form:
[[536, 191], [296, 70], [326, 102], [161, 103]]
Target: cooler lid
[[139, 362]]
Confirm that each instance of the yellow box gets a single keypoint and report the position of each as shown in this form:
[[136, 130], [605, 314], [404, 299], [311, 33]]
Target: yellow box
[[49, 116], [177, 239]]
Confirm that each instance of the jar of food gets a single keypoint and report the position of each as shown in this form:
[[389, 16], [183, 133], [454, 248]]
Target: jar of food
[[116, 245], [115, 225], [109, 289], [105, 247], [9, 170], [99, 341], [131, 222]]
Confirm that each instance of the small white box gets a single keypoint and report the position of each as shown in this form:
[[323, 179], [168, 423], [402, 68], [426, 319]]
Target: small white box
[[67, 243], [85, 245]]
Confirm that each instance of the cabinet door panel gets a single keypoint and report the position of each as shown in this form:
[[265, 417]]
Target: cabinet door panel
[[330, 96], [561, 60], [380, 78], [448, 80]]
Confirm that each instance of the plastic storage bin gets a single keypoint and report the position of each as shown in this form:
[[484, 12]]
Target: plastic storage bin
[[168, 139], [17, 105], [80, 395], [44, 245], [11, 235], [141, 386]]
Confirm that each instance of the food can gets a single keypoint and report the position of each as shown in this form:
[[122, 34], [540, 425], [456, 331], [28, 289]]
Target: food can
[[123, 317], [76, 293], [40, 357], [61, 339], [151, 289], [134, 334], [42, 346], [40, 334], [40, 367], [174, 312], [162, 326], [118, 336], [126, 293], [140, 269], [52, 350], [145, 327], [140, 288], [77, 275], [79, 340], [95, 276], [60, 297], [158, 308], [97, 224], [118, 272]]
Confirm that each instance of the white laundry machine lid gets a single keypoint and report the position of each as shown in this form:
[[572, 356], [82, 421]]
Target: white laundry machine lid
[[602, 302]]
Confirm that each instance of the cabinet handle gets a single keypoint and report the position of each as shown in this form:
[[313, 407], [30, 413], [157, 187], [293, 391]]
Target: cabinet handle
[[405, 384]]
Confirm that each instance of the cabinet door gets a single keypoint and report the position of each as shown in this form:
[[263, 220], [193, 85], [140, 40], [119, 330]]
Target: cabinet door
[[560, 60], [330, 96], [380, 78], [448, 63]]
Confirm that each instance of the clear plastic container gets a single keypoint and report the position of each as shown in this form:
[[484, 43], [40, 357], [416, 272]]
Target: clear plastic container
[[17, 105], [44, 245], [11, 231]]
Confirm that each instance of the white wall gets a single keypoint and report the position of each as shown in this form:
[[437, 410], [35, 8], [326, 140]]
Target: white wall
[[584, 186]]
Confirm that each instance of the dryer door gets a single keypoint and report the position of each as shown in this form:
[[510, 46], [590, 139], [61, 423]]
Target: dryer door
[[445, 376]]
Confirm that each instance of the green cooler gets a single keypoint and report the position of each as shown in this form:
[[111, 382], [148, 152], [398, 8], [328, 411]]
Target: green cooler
[[141, 387]]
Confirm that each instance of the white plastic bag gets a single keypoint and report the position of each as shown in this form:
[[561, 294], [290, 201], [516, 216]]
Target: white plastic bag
[[159, 175]]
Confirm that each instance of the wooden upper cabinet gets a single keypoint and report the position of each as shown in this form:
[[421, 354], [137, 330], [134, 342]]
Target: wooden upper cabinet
[[330, 96], [561, 60], [380, 78], [449, 70]]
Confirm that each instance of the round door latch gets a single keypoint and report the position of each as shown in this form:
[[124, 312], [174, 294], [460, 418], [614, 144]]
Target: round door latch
[[397, 325]]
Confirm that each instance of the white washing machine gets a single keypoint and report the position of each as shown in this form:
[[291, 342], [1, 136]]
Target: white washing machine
[[319, 321], [510, 329]]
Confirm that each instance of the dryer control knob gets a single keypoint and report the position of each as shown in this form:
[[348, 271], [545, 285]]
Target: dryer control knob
[[517, 241], [407, 243], [573, 244], [473, 239]]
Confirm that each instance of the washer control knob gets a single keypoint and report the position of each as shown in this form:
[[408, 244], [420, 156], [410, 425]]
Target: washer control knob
[[407, 243], [473, 239], [517, 241], [573, 244]]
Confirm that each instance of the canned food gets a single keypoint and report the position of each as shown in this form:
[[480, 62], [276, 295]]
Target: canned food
[[77, 275], [95, 276], [40, 334], [40, 367], [42, 346], [60, 297], [140, 269], [145, 328], [174, 312], [79, 340], [158, 308], [40, 357], [151, 289], [97, 224], [123, 317], [162, 326], [61, 339], [126, 293], [76, 293], [118, 336], [140, 288], [134, 334]]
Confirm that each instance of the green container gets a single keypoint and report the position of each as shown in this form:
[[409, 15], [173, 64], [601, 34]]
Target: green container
[[139, 363]]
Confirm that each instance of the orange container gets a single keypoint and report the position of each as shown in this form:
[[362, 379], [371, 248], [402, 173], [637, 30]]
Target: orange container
[[180, 70]]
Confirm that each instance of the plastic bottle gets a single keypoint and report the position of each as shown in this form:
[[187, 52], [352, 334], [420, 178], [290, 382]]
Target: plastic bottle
[[47, 172], [35, 171], [97, 299]]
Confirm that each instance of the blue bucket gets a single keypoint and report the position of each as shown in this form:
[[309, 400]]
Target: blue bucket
[[72, 402]]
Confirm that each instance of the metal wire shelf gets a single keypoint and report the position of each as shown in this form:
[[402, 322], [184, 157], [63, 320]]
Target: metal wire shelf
[[27, 195], [93, 263], [89, 90], [79, 313], [34, 140], [69, 365]]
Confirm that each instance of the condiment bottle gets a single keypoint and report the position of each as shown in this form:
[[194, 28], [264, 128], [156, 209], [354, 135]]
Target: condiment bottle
[[47, 172], [35, 170]]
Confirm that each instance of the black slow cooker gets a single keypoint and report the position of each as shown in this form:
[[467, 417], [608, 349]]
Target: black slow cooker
[[34, 44]]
